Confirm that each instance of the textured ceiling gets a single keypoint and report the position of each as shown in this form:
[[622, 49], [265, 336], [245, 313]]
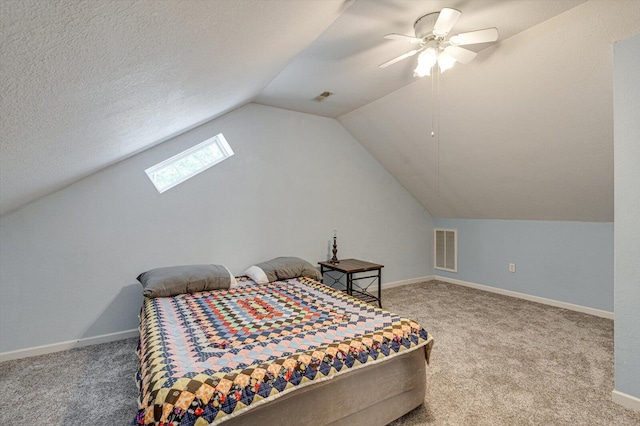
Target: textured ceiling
[[525, 131], [84, 84]]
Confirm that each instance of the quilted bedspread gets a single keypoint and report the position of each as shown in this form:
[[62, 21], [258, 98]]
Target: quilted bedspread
[[205, 357]]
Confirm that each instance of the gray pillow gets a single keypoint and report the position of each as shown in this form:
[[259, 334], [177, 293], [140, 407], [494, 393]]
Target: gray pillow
[[172, 280], [282, 268]]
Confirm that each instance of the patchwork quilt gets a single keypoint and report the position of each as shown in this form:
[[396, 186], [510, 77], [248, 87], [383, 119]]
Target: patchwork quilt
[[206, 357]]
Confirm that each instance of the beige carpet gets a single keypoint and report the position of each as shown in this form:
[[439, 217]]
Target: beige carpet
[[496, 361]]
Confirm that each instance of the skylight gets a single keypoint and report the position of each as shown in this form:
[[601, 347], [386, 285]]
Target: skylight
[[189, 163]]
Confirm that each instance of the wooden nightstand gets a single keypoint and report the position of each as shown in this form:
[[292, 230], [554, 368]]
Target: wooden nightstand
[[349, 267]]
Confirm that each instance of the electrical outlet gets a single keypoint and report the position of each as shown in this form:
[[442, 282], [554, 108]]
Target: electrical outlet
[[512, 267]]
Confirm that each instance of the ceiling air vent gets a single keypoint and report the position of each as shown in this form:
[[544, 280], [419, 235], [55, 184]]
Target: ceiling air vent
[[445, 249], [322, 96]]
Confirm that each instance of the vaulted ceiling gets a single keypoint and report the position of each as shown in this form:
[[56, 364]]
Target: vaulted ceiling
[[523, 132]]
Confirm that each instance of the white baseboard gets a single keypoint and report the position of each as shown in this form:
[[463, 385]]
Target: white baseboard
[[70, 344], [626, 400], [545, 301], [404, 282], [408, 281]]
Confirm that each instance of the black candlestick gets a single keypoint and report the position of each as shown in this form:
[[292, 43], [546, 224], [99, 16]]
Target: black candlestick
[[334, 259]]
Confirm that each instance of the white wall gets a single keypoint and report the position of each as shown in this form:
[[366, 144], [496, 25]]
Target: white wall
[[69, 260], [627, 217]]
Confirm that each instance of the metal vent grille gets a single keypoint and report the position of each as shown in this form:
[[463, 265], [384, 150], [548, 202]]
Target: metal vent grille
[[322, 96], [445, 243]]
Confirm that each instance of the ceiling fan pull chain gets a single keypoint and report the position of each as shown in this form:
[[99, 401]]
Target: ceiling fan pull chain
[[438, 136], [433, 106]]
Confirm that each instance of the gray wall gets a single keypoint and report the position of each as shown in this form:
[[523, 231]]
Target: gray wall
[[566, 261], [69, 260], [627, 215]]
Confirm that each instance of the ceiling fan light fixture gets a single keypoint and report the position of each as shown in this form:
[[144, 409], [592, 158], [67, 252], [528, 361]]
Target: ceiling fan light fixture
[[445, 62], [426, 61], [430, 57]]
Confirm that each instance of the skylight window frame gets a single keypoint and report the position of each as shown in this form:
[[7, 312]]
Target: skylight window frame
[[219, 140]]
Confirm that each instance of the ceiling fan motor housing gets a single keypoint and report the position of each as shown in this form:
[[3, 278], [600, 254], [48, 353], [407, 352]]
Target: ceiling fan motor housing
[[423, 26]]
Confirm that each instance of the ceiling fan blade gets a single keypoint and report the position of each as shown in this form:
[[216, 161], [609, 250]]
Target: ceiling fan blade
[[399, 58], [474, 37], [460, 54], [403, 37], [446, 20]]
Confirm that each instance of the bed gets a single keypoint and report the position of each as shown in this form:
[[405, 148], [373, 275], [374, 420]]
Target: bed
[[292, 351]]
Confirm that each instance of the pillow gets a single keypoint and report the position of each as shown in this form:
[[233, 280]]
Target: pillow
[[169, 281], [282, 268], [257, 275]]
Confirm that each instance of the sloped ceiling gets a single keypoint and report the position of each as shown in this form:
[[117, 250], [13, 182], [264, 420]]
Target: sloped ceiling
[[525, 130], [345, 58], [85, 84]]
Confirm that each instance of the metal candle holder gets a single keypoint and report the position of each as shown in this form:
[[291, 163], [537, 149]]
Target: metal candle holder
[[334, 259]]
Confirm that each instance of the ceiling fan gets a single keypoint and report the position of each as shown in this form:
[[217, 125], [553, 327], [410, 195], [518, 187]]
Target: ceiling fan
[[431, 32]]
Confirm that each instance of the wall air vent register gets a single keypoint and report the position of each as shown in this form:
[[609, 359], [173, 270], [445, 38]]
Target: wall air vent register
[[445, 251]]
